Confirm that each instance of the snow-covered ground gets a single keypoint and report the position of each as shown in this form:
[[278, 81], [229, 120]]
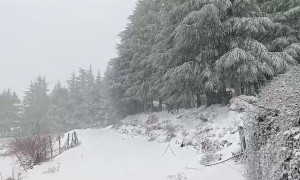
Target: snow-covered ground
[[137, 150]]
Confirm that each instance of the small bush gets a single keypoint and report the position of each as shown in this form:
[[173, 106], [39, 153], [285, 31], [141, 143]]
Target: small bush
[[179, 176], [210, 146], [152, 119], [209, 157], [31, 150], [52, 170]]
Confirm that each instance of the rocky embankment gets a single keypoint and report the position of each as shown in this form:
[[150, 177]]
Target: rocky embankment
[[274, 132]]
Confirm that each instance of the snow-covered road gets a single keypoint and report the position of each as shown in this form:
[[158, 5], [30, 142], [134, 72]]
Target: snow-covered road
[[108, 155]]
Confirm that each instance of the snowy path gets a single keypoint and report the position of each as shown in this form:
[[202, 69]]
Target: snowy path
[[107, 155]]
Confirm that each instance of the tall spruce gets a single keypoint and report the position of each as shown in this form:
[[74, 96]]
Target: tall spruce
[[58, 109], [35, 104], [9, 107], [180, 51], [146, 23]]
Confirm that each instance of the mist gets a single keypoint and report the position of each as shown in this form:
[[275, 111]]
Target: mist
[[53, 38]]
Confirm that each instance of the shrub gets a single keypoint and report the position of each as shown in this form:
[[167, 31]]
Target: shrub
[[179, 176], [209, 157], [210, 146], [32, 149], [152, 119]]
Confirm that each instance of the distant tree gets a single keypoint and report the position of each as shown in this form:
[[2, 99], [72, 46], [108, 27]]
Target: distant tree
[[9, 110], [85, 102], [35, 104], [57, 111], [117, 78], [99, 99]]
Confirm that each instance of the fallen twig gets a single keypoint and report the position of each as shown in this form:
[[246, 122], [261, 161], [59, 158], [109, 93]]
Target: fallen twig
[[223, 160], [169, 147], [197, 134], [189, 168], [165, 151], [172, 151]]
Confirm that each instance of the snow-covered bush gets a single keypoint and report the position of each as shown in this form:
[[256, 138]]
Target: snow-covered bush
[[209, 157], [33, 149], [179, 176], [30, 150], [242, 103], [52, 170], [152, 119], [211, 146]]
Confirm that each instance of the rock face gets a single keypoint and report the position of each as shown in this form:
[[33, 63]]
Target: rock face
[[274, 131]]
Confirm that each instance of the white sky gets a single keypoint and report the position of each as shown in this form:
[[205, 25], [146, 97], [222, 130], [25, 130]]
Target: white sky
[[55, 37]]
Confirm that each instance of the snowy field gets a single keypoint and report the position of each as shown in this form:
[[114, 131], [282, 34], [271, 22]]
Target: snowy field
[[105, 154], [120, 153]]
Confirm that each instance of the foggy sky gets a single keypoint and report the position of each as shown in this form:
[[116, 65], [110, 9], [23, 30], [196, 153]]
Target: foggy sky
[[54, 37]]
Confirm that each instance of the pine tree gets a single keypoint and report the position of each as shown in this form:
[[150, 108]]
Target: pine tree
[[35, 104], [9, 112], [100, 109], [86, 102], [249, 62], [146, 23], [9, 107], [190, 49], [117, 78], [193, 50], [58, 109], [286, 14]]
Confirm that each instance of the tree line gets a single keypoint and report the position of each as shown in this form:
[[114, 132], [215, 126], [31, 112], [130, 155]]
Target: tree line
[[181, 53], [189, 52], [82, 103]]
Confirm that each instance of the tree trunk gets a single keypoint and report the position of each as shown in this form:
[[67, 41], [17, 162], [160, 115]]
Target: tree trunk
[[243, 88], [208, 99], [256, 88], [145, 106], [160, 105], [198, 100], [224, 96], [237, 88], [151, 106]]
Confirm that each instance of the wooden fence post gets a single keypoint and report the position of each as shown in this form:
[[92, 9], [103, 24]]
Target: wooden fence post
[[76, 138], [68, 140], [59, 147], [72, 141], [242, 138], [45, 148], [50, 140]]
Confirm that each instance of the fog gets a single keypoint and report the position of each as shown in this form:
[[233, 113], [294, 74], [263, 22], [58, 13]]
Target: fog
[[52, 38]]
